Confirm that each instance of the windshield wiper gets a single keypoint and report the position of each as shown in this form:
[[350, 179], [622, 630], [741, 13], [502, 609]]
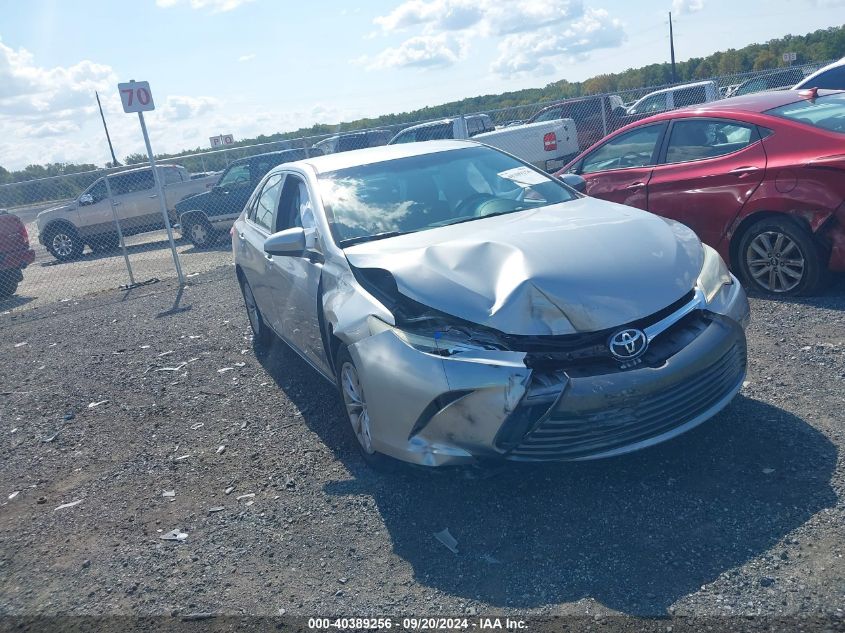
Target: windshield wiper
[[371, 238], [481, 217]]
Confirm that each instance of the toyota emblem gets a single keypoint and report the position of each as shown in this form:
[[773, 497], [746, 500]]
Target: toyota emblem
[[628, 344]]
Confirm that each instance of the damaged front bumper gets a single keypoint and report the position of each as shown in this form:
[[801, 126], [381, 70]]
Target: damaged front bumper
[[524, 405]]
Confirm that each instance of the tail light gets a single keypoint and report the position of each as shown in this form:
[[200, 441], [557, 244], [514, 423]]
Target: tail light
[[22, 235], [550, 142]]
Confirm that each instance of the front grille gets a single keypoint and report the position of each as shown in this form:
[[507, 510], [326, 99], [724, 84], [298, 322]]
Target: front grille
[[563, 436]]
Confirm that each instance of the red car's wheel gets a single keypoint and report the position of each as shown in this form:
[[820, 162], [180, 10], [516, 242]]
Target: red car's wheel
[[777, 256]]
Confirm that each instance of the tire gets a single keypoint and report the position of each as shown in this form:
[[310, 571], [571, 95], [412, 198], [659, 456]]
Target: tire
[[355, 411], [779, 257], [262, 335], [64, 243], [8, 284], [105, 243], [199, 232]]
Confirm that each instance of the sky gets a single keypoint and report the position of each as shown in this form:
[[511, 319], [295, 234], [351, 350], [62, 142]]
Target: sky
[[249, 67]]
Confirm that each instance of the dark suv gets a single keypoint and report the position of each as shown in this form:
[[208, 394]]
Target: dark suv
[[15, 253], [205, 216]]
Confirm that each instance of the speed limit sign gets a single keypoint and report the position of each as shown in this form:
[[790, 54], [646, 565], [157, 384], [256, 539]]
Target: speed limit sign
[[136, 96]]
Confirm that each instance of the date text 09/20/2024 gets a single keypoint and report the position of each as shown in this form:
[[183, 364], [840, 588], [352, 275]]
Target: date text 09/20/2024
[[416, 624]]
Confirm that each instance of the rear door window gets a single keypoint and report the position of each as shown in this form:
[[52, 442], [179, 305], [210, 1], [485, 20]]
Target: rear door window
[[833, 79], [696, 140], [632, 149], [267, 203], [123, 184]]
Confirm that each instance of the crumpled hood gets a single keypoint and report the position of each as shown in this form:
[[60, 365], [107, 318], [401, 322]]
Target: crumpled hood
[[578, 266]]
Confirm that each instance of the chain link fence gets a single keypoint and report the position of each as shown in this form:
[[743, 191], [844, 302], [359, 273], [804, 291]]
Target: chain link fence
[[65, 237]]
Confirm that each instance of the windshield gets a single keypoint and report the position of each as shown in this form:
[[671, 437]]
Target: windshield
[[236, 174], [423, 192], [827, 112]]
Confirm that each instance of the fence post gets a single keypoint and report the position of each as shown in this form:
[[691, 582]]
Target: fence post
[[119, 231]]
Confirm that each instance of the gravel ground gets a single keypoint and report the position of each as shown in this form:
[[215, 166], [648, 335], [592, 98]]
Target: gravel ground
[[743, 515], [47, 280]]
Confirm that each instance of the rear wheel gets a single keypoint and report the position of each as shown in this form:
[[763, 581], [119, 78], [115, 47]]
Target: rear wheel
[[199, 231], [64, 243], [778, 256], [8, 283], [262, 334], [357, 413]]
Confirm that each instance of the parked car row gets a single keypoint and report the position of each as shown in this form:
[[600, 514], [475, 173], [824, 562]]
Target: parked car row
[[90, 219], [760, 178]]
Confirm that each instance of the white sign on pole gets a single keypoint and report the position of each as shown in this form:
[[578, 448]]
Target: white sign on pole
[[136, 96], [228, 139], [790, 57], [216, 141]]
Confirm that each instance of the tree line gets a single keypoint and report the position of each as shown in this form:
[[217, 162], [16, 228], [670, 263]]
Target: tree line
[[821, 45]]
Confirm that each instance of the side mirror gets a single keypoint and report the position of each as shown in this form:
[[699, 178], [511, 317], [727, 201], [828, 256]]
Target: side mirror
[[290, 242], [86, 199], [575, 181]]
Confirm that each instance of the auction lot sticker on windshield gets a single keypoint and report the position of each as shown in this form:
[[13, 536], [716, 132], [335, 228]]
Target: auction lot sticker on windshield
[[523, 176]]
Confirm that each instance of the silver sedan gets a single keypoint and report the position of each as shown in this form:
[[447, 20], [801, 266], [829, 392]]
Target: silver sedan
[[470, 307]]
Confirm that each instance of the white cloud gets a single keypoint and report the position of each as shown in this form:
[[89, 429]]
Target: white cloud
[[538, 52], [178, 108], [534, 35], [216, 6], [490, 16], [246, 58], [422, 51], [680, 7]]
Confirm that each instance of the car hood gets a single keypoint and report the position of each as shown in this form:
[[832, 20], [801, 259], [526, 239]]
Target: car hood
[[183, 204], [62, 207], [578, 266]]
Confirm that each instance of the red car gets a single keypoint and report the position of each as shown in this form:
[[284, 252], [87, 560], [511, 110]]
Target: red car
[[15, 253], [761, 178]]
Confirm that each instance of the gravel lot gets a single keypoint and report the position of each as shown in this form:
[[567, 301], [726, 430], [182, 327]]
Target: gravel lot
[[48, 280], [744, 515]]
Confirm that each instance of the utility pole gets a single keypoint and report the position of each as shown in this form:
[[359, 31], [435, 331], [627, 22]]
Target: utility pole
[[114, 162], [672, 49]]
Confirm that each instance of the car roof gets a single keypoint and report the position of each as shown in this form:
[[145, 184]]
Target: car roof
[[804, 83], [369, 155]]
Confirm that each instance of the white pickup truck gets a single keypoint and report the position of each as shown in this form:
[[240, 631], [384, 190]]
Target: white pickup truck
[[545, 144], [66, 229]]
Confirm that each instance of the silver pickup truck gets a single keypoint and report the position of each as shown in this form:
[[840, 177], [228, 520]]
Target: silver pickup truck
[[65, 230]]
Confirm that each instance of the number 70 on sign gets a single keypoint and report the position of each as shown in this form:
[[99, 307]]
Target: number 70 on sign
[[136, 96]]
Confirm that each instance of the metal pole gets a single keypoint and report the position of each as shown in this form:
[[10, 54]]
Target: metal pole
[[672, 48], [160, 190], [114, 162], [119, 232]]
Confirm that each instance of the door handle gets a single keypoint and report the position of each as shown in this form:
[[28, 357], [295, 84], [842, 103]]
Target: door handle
[[742, 171], [241, 235], [634, 186], [116, 204], [155, 195]]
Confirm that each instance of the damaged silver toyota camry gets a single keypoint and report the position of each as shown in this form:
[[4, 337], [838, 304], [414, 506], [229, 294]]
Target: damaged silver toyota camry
[[470, 307]]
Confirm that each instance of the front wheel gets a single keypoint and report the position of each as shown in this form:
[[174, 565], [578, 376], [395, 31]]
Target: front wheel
[[64, 243], [779, 257], [357, 412]]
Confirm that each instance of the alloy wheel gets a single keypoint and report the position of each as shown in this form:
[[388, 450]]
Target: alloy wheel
[[775, 261], [356, 406], [62, 244], [199, 234]]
